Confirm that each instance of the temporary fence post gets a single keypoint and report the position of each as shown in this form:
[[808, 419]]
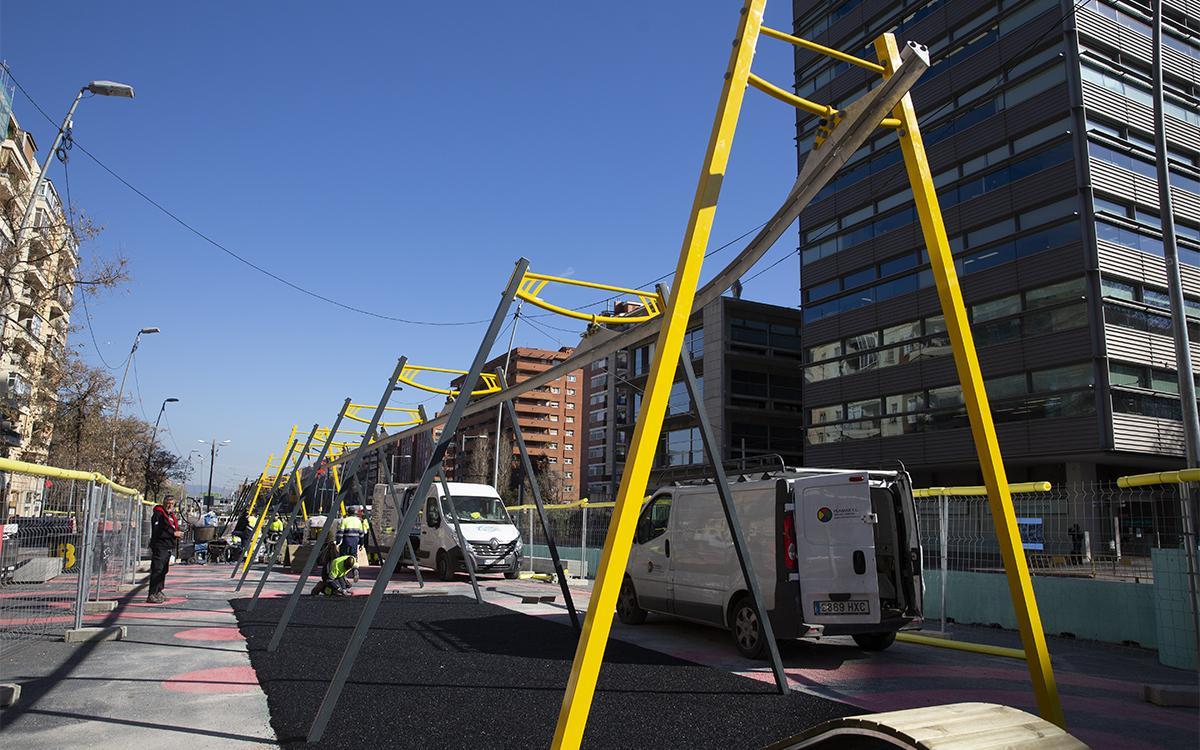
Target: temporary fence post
[[583, 544], [468, 559], [519, 438], [944, 543], [87, 546], [332, 515], [712, 453], [529, 516], [433, 468], [287, 529], [106, 504]]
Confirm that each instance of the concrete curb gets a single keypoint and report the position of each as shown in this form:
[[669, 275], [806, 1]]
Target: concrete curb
[[1187, 696], [100, 607], [86, 635]]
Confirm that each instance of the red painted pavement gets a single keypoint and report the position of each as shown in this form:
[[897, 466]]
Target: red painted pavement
[[214, 680], [210, 634]]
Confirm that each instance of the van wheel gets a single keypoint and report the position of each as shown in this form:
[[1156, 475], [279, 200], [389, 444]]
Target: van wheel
[[747, 630], [875, 641], [512, 575], [628, 611], [444, 570]]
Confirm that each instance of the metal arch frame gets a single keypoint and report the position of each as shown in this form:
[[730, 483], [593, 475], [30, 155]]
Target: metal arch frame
[[527, 462], [332, 515], [244, 562], [490, 384], [275, 491], [432, 470], [533, 283], [299, 503]]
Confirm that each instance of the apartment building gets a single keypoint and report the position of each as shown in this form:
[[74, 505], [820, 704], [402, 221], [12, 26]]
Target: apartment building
[[747, 360], [551, 420], [36, 313], [1038, 122]]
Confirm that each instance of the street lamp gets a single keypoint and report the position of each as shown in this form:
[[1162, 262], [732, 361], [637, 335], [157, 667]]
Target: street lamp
[[121, 392], [153, 437], [97, 88], [211, 463]]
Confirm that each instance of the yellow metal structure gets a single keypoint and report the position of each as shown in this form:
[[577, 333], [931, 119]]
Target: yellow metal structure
[[970, 377], [980, 491], [262, 517], [491, 384], [352, 413], [1159, 477], [532, 285], [581, 687], [23, 467], [821, 49], [974, 648], [589, 654]]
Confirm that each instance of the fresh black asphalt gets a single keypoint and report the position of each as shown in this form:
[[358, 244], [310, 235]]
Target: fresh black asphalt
[[447, 672]]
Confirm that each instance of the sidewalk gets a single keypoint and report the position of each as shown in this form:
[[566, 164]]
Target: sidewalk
[[184, 675]]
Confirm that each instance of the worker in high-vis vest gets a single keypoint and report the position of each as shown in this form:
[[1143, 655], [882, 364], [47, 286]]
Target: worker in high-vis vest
[[275, 530], [350, 532], [335, 573]]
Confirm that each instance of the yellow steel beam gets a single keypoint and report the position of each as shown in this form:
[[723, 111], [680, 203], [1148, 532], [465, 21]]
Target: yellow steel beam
[[804, 105], [291, 439], [979, 491], [1159, 477], [822, 49], [532, 284], [966, 361], [352, 413], [581, 687], [262, 517]]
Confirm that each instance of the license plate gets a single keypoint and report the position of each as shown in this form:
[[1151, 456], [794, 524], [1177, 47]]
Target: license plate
[[851, 607]]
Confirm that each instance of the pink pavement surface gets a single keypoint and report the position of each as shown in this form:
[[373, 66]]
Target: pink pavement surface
[[188, 655]]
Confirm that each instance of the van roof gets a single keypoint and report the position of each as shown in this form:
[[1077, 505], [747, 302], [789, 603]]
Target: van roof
[[466, 488]]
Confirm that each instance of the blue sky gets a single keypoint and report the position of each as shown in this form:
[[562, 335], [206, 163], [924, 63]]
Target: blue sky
[[395, 156]]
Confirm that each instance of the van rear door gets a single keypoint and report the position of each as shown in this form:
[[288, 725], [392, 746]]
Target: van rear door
[[835, 544]]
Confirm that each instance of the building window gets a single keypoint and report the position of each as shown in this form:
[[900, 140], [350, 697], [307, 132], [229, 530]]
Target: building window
[[553, 432], [570, 404], [568, 460], [555, 390], [569, 446], [570, 391], [570, 378], [553, 417], [570, 433], [570, 419]]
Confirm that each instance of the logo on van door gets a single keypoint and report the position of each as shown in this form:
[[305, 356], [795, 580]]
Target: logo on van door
[[824, 515]]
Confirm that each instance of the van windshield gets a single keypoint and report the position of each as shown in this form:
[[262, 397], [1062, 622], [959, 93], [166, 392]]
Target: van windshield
[[474, 509]]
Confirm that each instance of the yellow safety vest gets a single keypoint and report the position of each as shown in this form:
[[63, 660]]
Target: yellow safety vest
[[277, 525], [351, 523]]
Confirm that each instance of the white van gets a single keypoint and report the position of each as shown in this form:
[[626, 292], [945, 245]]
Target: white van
[[493, 539], [835, 553]]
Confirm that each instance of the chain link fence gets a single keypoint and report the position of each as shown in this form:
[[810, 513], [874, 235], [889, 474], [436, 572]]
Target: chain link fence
[[578, 531], [77, 538]]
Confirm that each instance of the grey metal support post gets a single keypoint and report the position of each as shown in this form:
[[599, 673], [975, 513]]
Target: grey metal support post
[[944, 542], [391, 488], [87, 548], [527, 462], [434, 466], [735, 528], [246, 562], [1183, 358], [468, 560], [295, 476], [335, 505]]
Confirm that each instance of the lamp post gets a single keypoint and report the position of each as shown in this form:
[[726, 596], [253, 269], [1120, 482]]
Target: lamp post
[[121, 393], [97, 88], [212, 461], [153, 437]]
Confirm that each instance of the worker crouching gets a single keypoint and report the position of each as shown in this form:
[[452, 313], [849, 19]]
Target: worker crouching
[[336, 571]]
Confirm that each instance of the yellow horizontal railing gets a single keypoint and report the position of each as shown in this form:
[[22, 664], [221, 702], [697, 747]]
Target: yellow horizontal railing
[[584, 503], [1159, 477], [491, 383], [979, 491], [805, 105], [822, 50], [24, 467], [532, 285]]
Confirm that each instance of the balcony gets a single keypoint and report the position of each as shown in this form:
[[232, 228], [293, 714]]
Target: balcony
[[12, 161], [35, 278]]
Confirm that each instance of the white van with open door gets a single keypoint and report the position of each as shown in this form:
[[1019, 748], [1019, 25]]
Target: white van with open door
[[835, 552], [492, 538]]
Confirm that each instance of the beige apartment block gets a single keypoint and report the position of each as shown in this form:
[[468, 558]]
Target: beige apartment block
[[36, 309]]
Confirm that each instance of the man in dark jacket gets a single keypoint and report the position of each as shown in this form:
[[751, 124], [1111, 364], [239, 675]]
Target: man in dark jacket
[[164, 536]]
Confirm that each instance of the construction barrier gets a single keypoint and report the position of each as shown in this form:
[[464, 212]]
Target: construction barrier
[[75, 537]]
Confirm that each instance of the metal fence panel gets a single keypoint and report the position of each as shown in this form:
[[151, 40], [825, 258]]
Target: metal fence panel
[[41, 557]]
